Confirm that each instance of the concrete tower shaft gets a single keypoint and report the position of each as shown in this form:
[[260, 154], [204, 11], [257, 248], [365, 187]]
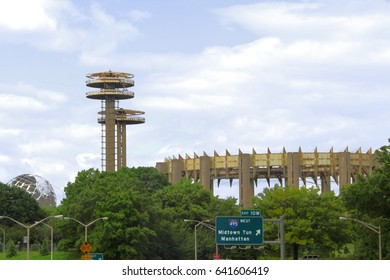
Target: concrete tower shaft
[[113, 86]]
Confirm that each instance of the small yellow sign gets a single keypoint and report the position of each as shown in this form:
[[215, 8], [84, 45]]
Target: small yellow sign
[[86, 257], [86, 247]]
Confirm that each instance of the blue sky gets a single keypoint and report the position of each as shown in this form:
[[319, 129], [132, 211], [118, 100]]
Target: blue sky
[[210, 75]]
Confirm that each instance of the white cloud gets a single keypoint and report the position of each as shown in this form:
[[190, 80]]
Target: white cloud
[[43, 165], [47, 146], [9, 132], [62, 27], [138, 15], [23, 103], [321, 21], [4, 159], [169, 150], [101, 36], [110, 27], [79, 131], [30, 15], [85, 161], [44, 94]]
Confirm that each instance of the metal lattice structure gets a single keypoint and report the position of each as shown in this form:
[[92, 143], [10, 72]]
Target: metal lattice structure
[[38, 187], [113, 86], [288, 167]]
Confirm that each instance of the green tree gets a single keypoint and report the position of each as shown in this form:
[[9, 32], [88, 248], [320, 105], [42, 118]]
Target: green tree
[[189, 200], [184, 200], [370, 195], [19, 205], [311, 219], [146, 214], [125, 198], [368, 200]]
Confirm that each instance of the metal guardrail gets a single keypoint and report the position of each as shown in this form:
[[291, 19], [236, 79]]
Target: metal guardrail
[[110, 92], [124, 119], [119, 81]]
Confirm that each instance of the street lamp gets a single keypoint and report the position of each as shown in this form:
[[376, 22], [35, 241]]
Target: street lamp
[[85, 225], [51, 240], [3, 242], [28, 227], [204, 223], [376, 229]]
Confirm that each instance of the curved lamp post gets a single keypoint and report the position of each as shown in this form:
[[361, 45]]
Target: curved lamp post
[[3, 230], [85, 225], [205, 224], [28, 227], [376, 229], [51, 239]]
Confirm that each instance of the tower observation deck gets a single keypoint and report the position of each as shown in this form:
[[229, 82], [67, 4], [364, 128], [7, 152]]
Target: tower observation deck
[[112, 87]]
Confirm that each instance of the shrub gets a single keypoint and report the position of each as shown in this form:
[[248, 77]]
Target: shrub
[[11, 249], [43, 251]]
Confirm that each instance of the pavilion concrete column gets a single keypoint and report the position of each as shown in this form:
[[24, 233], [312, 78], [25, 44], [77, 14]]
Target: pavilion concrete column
[[246, 183], [177, 170], [162, 167], [293, 170], [325, 183], [205, 173], [344, 169]]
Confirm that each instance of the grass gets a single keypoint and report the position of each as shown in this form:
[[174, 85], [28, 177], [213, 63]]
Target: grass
[[34, 255], [76, 255]]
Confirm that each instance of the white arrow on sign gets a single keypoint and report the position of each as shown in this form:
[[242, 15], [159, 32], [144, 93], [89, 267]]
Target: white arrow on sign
[[258, 232]]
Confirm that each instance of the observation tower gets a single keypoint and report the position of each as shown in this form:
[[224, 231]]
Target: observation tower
[[113, 86]]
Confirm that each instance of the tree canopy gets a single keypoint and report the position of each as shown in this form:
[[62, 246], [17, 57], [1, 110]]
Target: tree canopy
[[19, 205], [187, 200], [125, 198], [145, 214], [368, 200], [370, 195], [311, 219]]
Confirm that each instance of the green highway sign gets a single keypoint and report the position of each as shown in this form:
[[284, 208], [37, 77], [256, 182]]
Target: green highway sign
[[96, 256], [239, 230], [255, 213]]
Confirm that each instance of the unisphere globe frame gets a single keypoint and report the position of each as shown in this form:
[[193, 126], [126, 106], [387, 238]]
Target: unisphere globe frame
[[38, 187]]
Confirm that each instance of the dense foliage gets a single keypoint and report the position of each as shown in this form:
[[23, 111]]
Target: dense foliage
[[190, 201], [368, 200], [145, 214], [21, 206], [18, 204], [311, 219]]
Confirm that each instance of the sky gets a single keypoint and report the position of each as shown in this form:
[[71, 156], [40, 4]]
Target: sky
[[210, 75]]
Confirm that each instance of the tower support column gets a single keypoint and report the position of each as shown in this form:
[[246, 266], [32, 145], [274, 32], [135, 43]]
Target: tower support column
[[246, 183], [121, 145], [293, 170], [325, 183], [205, 173], [110, 133], [344, 169], [177, 170]]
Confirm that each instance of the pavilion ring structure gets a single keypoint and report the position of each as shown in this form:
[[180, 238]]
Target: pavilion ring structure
[[288, 167]]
